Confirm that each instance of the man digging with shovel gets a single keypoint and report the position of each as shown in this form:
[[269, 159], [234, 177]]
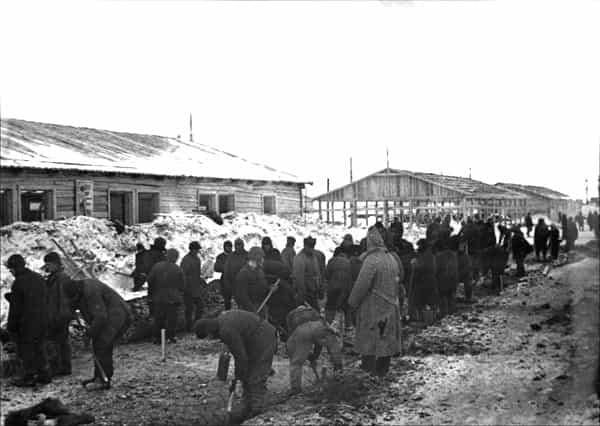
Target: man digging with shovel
[[108, 316], [252, 342]]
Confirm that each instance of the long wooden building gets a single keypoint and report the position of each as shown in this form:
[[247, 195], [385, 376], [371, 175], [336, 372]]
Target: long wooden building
[[50, 171], [390, 192], [545, 201]]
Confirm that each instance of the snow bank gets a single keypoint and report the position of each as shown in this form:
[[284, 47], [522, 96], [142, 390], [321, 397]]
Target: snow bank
[[97, 241]]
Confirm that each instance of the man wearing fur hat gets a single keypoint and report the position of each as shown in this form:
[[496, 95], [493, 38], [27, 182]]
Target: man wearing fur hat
[[306, 275], [289, 253], [195, 290], [250, 284], [235, 261]]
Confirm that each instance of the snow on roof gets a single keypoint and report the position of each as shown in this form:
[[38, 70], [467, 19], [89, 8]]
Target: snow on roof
[[466, 186], [52, 146], [540, 191]]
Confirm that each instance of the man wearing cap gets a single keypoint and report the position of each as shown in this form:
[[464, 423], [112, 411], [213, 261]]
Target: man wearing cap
[[235, 262], [220, 267], [252, 342], [194, 291], [250, 284], [59, 315], [27, 321], [166, 284], [107, 315], [289, 253], [306, 275], [270, 252]]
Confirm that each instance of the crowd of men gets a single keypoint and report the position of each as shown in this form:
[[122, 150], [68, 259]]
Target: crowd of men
[[372, 285]]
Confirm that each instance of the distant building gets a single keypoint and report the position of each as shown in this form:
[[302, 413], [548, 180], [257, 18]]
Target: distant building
[[546, 201], [390, 192], [49, 171]]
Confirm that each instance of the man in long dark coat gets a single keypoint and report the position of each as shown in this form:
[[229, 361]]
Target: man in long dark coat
[[166, 284], [235, 261], [250, 284], [59, 316], [220, 262], [306, 275], [540, 239], [28, 321], [194, 293]]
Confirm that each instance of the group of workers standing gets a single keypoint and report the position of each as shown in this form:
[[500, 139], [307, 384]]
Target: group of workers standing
[[375, 284]]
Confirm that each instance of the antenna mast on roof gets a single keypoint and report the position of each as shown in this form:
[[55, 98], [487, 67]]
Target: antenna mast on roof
[[191, 134], [469, 173], [350, 169]]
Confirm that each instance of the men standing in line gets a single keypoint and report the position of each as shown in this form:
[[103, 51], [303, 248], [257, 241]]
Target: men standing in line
[[59, 316], [166, 284], [28, 321], [220, 267], [529, 223], [375, 296], [194, 292], [306, 275], [289, 253], [235, 262], [108, 317], [252, 342]]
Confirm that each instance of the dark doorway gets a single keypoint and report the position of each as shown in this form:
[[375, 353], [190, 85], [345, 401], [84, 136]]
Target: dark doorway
[[226, 203], [5, 207], [36, 205], [147, 206], [120, 207]]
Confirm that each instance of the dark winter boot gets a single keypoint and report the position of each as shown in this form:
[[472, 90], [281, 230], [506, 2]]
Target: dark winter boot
[[382, 366], [367, 363]]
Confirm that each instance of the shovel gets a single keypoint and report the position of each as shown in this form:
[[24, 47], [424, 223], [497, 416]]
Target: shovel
[[271, 291], [230, 400]]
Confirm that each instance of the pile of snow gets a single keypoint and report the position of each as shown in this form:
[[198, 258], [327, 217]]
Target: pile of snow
[[98, 241]]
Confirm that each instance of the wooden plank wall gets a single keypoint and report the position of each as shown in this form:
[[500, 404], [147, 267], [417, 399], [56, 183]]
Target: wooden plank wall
[[175, 194]]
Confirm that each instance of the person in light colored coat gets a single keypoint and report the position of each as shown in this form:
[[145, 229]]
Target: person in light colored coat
[[375, 296]]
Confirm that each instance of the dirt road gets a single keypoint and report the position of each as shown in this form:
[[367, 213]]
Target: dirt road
[[527, 356]]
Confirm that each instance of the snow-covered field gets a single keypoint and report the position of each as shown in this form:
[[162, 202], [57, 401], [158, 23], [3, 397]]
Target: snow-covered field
[[99, 242]]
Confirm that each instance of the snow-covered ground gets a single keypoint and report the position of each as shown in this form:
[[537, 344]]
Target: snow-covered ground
[[98, 241]]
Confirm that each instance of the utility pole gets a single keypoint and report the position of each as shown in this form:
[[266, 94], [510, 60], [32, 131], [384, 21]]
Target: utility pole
[[191, 133], [387, 158], [350, 169], [469, 173], [587, 200]]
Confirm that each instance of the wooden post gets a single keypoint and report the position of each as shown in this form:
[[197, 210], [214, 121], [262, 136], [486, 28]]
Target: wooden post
[[163, 345], [345, 218], [320, 211], [354, 218]]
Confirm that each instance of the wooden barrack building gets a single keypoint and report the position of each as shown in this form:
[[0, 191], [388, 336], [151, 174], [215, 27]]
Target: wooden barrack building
[[50, 171], [391, 192]]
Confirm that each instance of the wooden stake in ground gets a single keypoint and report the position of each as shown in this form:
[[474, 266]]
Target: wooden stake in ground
[[163, 344]]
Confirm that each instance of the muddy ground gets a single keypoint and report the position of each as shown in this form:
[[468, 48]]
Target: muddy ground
[[528, 356]]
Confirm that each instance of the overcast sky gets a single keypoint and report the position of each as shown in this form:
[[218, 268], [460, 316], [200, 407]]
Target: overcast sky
[[510, 89]]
